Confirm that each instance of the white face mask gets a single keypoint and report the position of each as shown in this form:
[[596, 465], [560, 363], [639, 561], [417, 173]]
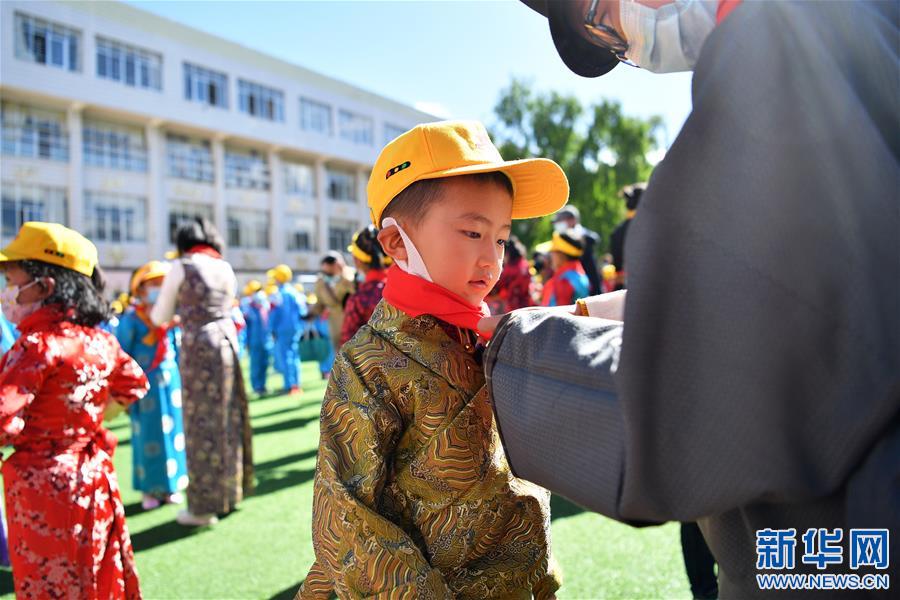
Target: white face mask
[[415, 265], [668, 38], [13, 310]]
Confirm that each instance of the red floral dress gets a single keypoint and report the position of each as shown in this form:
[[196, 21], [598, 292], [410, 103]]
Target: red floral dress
[[67, 534]]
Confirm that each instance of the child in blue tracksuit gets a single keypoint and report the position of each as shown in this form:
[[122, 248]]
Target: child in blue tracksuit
[[286, 326], [157, 432], [259, 342]]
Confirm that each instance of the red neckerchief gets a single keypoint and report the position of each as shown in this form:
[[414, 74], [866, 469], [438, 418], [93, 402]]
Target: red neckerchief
[[572, 265], [204, 249], [416, 296], [42, 317], [157, 335], [724, 9], [376, 275]]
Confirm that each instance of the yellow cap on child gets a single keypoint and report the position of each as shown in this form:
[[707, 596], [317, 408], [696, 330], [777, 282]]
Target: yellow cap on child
[[449, 148], [52, 243]]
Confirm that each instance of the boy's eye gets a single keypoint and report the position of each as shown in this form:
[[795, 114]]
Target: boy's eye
[[472, 234], [502, 243]]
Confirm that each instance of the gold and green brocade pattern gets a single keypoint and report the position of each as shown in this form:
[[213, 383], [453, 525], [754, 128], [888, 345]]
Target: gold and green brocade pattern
[[413, 495]]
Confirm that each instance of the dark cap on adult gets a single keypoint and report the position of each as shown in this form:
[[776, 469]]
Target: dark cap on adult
[[569, 211], [582, 57]]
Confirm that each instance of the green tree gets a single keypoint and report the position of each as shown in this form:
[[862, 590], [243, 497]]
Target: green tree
[[600, 149]]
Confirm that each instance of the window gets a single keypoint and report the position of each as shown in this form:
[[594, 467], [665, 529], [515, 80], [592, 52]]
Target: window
[[341, 185], [183, 212], [33, 133], [128, 64], [115, 217], [355, 128], [114, 146], [246, 169], [299, 179], [26, 202], [393, 131], [340, 235], [248, 228], [260, 101], [47, 43], [300, 233], [315, 116], [189, 158], [205, 86]]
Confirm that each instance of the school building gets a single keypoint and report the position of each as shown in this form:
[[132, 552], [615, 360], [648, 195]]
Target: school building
[[121, 124]]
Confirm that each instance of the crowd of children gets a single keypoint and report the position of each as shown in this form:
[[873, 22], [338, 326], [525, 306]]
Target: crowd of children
[[412, 490]]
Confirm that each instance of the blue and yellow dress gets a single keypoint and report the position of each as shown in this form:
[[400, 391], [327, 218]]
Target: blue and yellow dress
[[157, 432]]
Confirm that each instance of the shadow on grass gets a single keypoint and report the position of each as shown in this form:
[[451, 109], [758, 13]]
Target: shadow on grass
[[285, 425], [160, 535], [284, 460], [287, 593], [560, 508], [6, 581], [282, 411], [133, 508], [275, 481]]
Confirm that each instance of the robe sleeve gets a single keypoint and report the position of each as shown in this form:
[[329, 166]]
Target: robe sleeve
[[164, 309], [127, 382], [23, 371], [758, 360], [356, 544]]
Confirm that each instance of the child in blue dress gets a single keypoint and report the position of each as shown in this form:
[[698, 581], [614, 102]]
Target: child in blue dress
[[157, 433]]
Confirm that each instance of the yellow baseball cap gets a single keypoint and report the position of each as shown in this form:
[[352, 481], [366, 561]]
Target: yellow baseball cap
[[252, 287], [154, 269], [52, 243], [448, 148], [282, 274], [562, 242]]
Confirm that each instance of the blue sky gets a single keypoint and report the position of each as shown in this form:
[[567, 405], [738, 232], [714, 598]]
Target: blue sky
[[450, 58]]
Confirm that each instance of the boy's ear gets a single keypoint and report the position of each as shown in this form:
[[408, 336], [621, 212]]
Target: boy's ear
[[392, 243]]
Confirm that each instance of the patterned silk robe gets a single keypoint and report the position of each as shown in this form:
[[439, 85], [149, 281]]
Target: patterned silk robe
[[67, 534], [413, 495]]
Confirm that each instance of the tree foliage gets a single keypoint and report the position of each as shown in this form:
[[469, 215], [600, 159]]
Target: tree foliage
[[600, 149]]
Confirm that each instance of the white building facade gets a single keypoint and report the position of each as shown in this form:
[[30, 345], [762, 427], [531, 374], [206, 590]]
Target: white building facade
[[122, 124]]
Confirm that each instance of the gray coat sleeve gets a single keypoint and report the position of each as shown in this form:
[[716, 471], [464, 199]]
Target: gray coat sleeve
[[759, 360]]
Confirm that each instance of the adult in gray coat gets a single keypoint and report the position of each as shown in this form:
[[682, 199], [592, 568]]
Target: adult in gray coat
[[755, 381]]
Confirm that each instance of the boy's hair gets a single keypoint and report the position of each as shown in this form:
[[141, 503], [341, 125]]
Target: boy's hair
[[197, 232], [73, 291], [413, 203]]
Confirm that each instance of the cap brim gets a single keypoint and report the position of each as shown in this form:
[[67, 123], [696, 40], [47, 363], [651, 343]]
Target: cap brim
[[579, 55], [7, 256], [544, 247], [539, 185]]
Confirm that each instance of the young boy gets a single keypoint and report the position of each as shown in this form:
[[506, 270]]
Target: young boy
[[413, 495], [569, 282]]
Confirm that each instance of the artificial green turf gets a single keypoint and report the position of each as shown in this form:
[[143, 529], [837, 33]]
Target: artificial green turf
[[264, 549]]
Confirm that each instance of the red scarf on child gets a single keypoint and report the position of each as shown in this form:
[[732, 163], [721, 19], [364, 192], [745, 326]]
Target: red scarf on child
[[204, 249], [416, 296]]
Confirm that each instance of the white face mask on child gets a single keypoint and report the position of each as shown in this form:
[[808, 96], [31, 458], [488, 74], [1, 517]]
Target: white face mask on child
[[13, 310], [414, 265]]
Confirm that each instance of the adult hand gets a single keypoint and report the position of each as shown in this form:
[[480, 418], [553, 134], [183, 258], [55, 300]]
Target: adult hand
[[489, 324]]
